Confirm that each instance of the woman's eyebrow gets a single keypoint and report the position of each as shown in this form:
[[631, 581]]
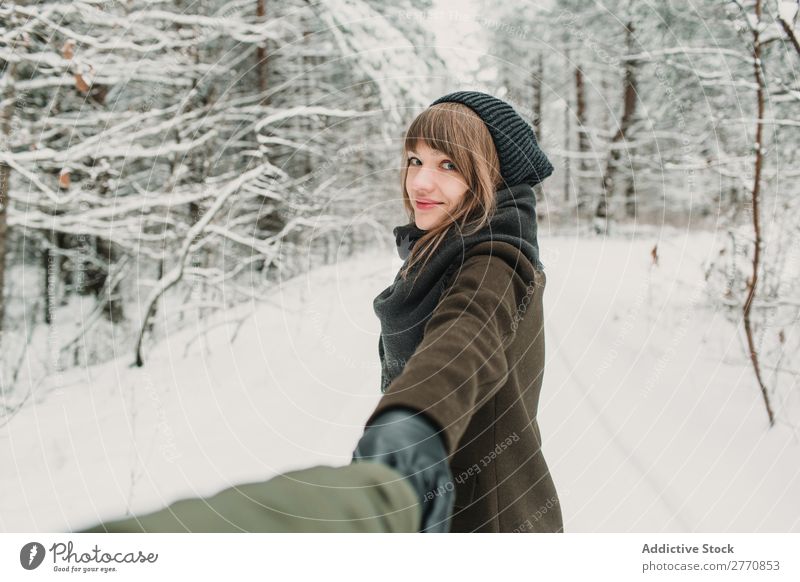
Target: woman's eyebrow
[[437, 152]]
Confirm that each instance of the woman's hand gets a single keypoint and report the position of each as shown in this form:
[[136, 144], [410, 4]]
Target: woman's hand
[[406, 441]]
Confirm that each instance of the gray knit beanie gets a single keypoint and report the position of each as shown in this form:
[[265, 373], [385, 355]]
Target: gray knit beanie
[[521, 160]]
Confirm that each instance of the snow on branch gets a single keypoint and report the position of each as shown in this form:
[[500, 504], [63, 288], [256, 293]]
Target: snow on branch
[[787, 12]]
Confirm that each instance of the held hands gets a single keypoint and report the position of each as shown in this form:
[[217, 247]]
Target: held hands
[[405, 440]]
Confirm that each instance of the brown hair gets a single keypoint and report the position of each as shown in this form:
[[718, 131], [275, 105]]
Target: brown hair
[[457, 131]]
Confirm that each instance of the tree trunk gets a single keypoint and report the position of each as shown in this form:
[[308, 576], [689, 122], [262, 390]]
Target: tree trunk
[[51, 263], [583, 138], [5, 176], [537, 112], [96, 276], [537, 96], [114, 308], [261, 54], [5, 173], [303, 123], [628, 111], [752, 281]]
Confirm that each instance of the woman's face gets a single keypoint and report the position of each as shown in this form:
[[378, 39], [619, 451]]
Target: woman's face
[[434, 185]]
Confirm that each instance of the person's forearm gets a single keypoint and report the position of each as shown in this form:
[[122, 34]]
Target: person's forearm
[[370, 497]]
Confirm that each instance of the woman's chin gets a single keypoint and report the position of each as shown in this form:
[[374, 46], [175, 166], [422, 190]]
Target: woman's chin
[[424, 223]]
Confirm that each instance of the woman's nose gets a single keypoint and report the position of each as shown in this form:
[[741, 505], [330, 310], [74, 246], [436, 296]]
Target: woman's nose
[[423, 180]]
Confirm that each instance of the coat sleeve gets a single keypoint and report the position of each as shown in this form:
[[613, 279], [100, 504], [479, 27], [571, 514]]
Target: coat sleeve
[[461, 361], [363, 497]]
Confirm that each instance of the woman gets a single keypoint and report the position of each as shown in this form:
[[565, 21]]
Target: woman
[[462, 332]]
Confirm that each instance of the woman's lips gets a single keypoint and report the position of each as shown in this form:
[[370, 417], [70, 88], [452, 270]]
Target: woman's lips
[[422, 205]]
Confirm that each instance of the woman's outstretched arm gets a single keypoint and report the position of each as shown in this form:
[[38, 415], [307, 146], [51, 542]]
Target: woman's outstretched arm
[[462, 361]]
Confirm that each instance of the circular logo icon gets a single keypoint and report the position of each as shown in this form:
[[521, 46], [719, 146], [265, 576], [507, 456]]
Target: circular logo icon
[[31, 555]]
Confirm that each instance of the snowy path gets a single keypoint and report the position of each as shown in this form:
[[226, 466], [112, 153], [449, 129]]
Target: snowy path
[[645, 427]]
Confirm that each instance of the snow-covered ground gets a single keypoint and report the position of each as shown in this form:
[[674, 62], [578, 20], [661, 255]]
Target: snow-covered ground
[[650, 415]]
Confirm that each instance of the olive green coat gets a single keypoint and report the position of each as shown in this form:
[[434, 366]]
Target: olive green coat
[[477, 374], [363, 497]]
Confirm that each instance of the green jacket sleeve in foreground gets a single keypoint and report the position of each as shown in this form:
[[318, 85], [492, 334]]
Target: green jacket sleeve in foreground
[[361, 497]]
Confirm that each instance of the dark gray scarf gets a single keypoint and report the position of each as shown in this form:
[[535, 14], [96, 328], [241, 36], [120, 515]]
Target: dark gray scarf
[[406, 306]]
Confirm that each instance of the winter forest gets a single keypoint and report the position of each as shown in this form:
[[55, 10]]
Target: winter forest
[[196, 209]]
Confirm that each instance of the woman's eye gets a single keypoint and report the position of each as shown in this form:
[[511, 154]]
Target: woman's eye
[[412, 161]]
